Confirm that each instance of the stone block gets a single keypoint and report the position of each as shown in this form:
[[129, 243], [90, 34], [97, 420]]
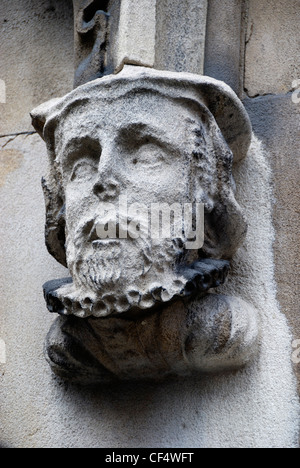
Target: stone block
[[180, 35], [223, 42], [33, 67], [272, 49], [135, 41], [275, 120]]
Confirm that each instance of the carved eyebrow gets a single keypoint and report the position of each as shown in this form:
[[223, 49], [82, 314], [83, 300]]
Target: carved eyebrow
[[75, 149], [86, 144], [137, 132], [77, 143]]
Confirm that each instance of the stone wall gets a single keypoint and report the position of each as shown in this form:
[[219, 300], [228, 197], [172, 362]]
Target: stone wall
[[251, 46], [272, 66]]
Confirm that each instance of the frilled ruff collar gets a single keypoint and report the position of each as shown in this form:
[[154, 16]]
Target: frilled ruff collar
[[64, 298]]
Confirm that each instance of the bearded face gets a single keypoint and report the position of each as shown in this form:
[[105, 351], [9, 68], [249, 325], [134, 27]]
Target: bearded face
[[157, 139], [154, 150], [100, 263], [135, 270]]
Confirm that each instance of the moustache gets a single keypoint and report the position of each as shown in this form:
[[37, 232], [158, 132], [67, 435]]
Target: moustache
[[110, 229]]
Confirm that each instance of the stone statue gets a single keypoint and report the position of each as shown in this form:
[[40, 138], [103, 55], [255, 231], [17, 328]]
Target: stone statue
[[139, 306]]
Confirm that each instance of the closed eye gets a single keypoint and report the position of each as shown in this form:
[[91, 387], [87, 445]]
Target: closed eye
[[149, 155], [81, 158], [83, 169]]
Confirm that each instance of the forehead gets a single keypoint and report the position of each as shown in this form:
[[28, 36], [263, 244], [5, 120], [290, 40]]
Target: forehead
[[140, 110]]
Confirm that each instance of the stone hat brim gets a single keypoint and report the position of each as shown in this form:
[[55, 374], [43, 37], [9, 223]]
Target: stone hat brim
[[218, 97]]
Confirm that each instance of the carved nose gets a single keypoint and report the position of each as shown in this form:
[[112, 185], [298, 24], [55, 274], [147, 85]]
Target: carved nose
[[109, 188]]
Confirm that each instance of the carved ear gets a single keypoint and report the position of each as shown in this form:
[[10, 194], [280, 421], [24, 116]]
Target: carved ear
[[55, 237], [53, 194]]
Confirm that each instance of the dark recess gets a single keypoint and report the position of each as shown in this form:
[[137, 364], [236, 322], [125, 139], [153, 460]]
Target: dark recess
[[91, 10]]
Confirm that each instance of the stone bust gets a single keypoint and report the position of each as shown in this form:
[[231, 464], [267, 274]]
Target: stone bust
[[139, 306]]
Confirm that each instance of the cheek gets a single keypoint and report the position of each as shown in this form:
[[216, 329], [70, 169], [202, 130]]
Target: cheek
[[168, 184], [80, 202]]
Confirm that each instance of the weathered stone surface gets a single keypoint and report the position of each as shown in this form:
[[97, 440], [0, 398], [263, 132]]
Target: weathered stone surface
[[254, 407], [219, 99], [200, 277], [123, 152], [96, 27], [224, 42], [275, 120], [210, 334], [180, 35], [168, 35], [135, 38], [10, 160], [33, 67], [37, 410], [272, 50], [22, 328]]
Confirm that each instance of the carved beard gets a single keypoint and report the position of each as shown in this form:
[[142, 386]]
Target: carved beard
[[110, 264], [115, 275]]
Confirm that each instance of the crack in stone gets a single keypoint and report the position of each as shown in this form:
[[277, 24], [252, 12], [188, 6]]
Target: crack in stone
[[8, 141], [17, 134], [257, 96], [250, 34]]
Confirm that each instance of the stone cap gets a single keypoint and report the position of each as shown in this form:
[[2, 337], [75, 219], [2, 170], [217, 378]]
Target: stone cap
[[218, 98]]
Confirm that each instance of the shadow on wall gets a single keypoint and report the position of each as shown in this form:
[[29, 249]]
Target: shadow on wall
[[145, 414]]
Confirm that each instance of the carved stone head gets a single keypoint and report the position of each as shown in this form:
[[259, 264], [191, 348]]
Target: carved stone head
[[142, 137]]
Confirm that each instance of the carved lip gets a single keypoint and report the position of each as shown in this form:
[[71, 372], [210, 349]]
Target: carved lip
[[98, 242], [103, 242], [94, 238]]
